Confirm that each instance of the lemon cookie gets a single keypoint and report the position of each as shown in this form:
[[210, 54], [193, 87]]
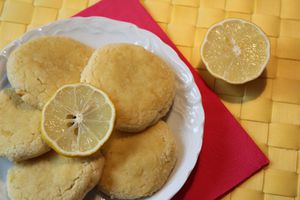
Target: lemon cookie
[[138, 165], [40, 66], [20, 136], [140, 84], [52, 176]]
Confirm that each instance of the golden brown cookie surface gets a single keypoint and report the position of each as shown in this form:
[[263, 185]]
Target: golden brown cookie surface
[[37, 68], [140, 84], [52, 176], [20, 136], [138, 165]]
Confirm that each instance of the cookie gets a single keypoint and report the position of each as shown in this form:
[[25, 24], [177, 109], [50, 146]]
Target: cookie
[[52, 176], [37, 68], [140, 84], [20, 136], [137, 165]]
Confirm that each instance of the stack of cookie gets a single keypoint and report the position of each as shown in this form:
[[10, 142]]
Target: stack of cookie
[[139, 156]]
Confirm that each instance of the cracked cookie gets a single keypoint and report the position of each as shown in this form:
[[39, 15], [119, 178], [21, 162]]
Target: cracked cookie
[[52, 176], [37, 68], [20, 136], [137, 165], [140, 84]]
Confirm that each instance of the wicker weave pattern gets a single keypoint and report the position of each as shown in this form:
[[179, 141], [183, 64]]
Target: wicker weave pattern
[[268, 108]]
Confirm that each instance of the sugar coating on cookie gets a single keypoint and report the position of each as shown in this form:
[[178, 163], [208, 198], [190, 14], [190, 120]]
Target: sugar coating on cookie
[[52, 176], [137, 165], [20, 136], [140, 84], [37, 68]]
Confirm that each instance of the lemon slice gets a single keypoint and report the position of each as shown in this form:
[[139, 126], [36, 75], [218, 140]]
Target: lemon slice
[[77, 120], [235, 50]]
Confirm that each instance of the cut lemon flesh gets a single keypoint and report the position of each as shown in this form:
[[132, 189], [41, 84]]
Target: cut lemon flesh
[[235, 50], [77, 120]]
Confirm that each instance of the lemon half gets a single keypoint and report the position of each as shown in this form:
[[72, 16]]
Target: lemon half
[[77, 120], [235, 50]]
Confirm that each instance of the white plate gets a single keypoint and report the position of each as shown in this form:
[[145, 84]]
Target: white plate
[[186, 117]]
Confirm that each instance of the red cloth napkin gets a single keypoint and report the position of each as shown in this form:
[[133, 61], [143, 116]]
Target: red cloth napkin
[[228, 154]]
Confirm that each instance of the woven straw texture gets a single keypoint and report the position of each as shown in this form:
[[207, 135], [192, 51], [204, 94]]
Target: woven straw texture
[[268, 107]]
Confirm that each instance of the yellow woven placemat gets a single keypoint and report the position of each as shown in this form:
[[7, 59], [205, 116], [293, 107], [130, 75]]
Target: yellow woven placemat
[[268, 108]]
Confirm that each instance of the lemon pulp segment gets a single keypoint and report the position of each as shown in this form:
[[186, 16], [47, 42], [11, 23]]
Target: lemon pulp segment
[[235, 51]]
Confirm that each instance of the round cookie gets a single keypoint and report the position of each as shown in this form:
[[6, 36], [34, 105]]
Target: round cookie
[[52, 176], [137, 165], [140, 84], [20, 136], [37, 68]]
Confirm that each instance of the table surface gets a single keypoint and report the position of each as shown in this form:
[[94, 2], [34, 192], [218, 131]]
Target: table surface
[[268, 107]]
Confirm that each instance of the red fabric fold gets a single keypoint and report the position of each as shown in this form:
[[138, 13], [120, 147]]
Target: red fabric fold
[[228, 154]]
